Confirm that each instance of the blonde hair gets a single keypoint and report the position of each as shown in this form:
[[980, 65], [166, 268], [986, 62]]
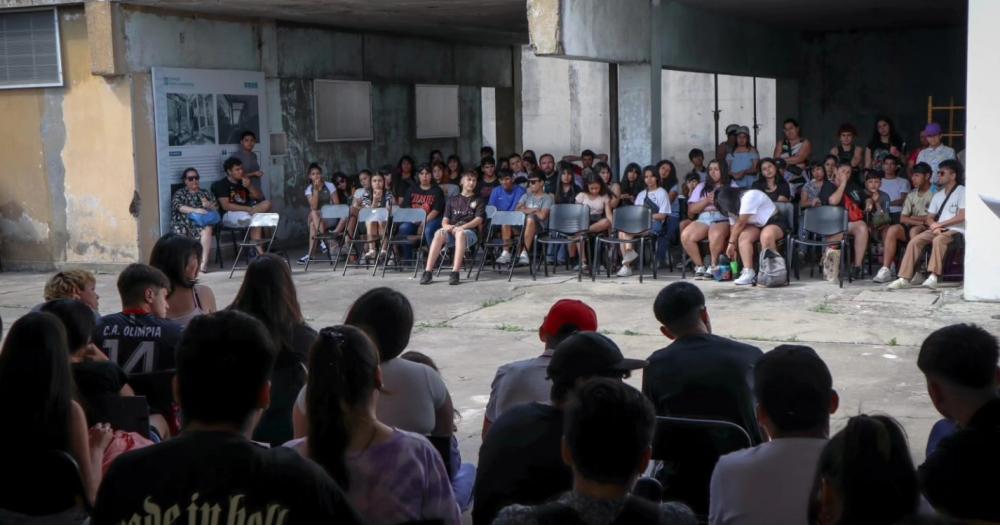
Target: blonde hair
[[67, 284]]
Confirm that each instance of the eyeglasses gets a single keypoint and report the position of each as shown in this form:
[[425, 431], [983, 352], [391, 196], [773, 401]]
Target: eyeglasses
[[196, 177]]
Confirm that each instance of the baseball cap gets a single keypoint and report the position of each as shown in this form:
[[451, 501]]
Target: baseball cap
[[933, 129], [569, 311], [585, 354], [743, 129], [732, 128], [922, 167], [794, 385]]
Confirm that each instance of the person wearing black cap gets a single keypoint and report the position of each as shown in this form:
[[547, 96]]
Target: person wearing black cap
[[520, 459], [795, 398], [699, 374]]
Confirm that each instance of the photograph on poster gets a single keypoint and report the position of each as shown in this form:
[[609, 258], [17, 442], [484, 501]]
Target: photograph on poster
[[190, 119], [237, 113]]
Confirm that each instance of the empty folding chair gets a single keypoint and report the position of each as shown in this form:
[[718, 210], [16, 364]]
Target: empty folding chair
[[824, 222], [494, 242], [329, 213], [568, 224], [393, 240], [365, 216], [258, 220], [635, 221]]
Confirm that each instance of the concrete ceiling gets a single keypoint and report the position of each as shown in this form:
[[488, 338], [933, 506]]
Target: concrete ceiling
[[485, 21], [832, 15]]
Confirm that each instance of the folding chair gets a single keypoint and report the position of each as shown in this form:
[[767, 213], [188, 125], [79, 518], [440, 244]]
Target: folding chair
[[568, 224], [365, 215], [330, 212], [491, 244], [633, 220], [448, 251], [259, 220], [686, 451], [824, 221], [392, 239], [41, 483]]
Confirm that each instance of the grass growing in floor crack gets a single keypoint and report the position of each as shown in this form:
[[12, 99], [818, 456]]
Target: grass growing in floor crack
[[823, 308], [509, 327], [630, 332], [439, 324], [493, 301], [892, 342]]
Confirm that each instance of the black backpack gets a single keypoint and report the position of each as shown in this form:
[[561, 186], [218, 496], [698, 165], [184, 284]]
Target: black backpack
[[637, 511]]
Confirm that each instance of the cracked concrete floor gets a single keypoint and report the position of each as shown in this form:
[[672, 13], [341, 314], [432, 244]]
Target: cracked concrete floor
[[868, 337]]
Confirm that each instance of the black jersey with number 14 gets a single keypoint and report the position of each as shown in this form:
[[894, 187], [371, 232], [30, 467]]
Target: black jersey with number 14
[[138, 342]]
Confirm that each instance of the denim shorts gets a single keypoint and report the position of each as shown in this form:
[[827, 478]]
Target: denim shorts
[[709, 218], [470, 238]]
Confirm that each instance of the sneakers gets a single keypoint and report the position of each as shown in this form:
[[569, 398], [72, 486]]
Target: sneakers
[[898, 284], [629, 256], [856, 273], [304, 259], [581, 268], [884, 275], [370, 254], [426, 277], [931, 282], [624, 271], [746, 277], [454, 278], [322, 247], [699, 272], [504, 258], [523, 259]]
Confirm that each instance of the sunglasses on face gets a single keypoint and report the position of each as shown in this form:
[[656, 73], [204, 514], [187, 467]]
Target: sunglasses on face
[[196, 177]]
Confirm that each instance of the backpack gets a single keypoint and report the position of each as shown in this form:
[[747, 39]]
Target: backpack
[[772, 269]]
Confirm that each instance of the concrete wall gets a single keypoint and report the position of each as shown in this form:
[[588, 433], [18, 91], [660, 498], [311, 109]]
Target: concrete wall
[[854, 76], [67, 174]]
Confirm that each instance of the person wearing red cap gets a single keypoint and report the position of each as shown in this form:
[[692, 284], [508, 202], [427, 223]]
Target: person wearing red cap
[[525, 381], [935, 152]]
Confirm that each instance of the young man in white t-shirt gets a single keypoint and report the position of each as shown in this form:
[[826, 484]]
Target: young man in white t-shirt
[[945, 221], [656, 197], [935, 152], [752, 217], [894, 186]]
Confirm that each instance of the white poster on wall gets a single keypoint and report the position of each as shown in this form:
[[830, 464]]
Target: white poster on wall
[[199, 116]]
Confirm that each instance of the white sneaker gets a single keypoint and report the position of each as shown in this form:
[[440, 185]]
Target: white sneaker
[[898, 284], [884, 275], [931, 282], [504, 258], [322, 247], [699, 272], [304, 259], [523, 259], [629, 256], [746, 277], [624, 271]]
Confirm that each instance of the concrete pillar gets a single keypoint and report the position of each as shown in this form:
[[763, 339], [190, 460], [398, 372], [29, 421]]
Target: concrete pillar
[[982, 249], [640, 95]]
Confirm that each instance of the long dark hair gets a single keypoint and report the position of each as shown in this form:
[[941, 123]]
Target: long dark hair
[[632, 188], [36, 387], [710, 185], [170, 255], [268, 294], [894, 138], [727, 200], [596, 179], [868, 464], [671, 179], [343, 367], [399, 166]]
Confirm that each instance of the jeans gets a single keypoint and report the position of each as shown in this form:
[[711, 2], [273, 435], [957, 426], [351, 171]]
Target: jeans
[[663, 232], [410, 228]]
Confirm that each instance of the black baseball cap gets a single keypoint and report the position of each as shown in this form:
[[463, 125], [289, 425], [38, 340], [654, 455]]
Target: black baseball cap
[[586, 354], [923, 167]]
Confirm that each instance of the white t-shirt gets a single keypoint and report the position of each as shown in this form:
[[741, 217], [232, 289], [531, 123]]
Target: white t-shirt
[[955, 203], [766, 484], [329, 187], [519, 383], [758, 204], [934, 157], [895, 188], [659, 196], [412, 395]]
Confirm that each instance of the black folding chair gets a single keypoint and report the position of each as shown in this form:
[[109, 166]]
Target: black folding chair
[[824, 222], [40, 483], [686, 451], [365, 215], [568, 224], [330, 212], [259, 220], [513, 219], [393, 240], [633, 220]]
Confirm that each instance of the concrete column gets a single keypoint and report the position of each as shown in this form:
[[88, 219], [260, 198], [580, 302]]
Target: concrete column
[[982, 249], [640, 95]]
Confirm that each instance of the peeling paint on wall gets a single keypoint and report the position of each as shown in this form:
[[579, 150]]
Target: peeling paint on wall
[[23, 229]]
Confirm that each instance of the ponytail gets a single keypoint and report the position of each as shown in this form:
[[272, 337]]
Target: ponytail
[[342, 369]]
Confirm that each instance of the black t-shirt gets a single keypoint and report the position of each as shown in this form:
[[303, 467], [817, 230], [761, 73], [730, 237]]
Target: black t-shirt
[[225, 478], [234, 191], [704, 376], [430, 200], [781, 190], [520, 461], [96, 379], [138, 342], [484, 189], [287, 379]]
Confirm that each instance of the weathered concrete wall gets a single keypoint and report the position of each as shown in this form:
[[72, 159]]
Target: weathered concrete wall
[[616, 31], [66, 175], [854, 76]]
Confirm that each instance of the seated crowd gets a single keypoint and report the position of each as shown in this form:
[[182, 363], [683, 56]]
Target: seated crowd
[[363, 431]]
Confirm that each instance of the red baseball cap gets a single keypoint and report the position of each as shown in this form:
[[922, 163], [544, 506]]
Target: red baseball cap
[[569, 311]]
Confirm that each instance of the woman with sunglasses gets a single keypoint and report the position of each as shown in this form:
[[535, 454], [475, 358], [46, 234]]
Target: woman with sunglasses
[[191, 213]]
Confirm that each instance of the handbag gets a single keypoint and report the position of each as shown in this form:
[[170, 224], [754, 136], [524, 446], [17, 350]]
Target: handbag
[[205, 219]]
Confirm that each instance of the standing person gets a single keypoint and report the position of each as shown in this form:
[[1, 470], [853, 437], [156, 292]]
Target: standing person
[[885, 142], [795, 398], [631, 183], [429, 197], [752, 217], [658, 201], [246, 155], [912, 220], [505, 197], [793, 148], [771, 183], [36, 398], [709, 223], [377, 196], [742, 161], [697, 158], [846, 150], [318, 193], [959, 363], [726, 147], [194, 213], [851, 195], [463, 213], [945, 222], [536, 205], [179, 258], [240, 200], [223, 365], [894, 186], [935, 153], [391, 476], [488, 178], [699, 374], [597, 199]]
